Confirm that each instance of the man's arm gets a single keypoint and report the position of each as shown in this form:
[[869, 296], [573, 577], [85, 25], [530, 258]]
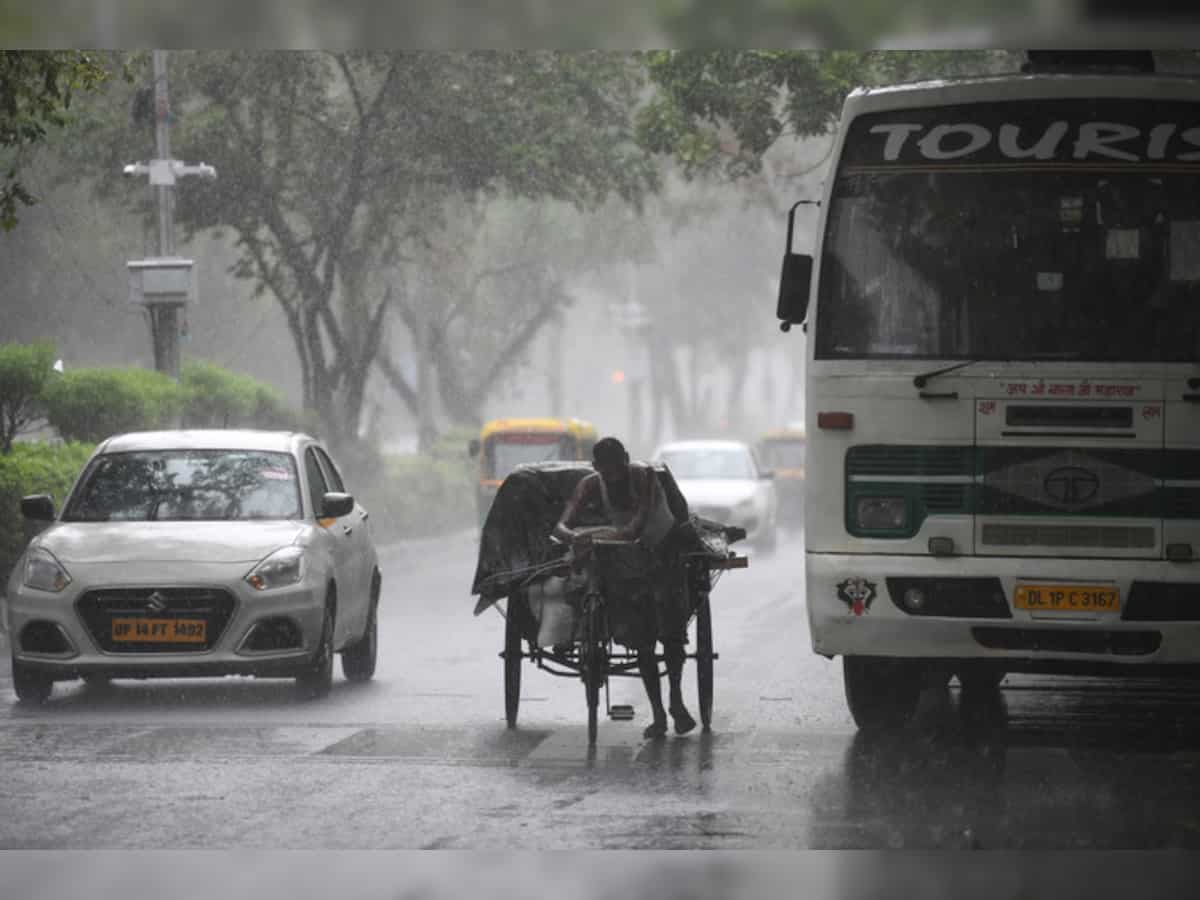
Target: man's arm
[[563, 530]]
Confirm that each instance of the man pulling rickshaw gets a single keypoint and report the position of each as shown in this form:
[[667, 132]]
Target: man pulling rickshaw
[[590, 558], [635, 505]]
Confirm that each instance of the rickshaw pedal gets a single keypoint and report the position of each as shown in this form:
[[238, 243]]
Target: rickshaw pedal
[[621, 712]]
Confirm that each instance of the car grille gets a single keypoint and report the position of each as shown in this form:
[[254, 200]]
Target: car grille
[[98, 608]]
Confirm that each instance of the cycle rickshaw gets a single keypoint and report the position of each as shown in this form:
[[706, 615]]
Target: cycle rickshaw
[[558, 613]]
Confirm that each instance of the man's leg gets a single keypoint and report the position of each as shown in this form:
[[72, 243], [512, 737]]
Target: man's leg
[[648, 668], [675, 655]]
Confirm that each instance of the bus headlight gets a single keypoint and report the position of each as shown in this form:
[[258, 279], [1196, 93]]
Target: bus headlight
[[881, 513]]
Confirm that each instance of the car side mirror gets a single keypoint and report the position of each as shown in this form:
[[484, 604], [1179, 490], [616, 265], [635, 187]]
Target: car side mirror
[[473, 447], [39, 507], [335, 505]]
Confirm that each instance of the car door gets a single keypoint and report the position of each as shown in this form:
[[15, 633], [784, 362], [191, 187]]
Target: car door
[[359, 532], [339, 538]]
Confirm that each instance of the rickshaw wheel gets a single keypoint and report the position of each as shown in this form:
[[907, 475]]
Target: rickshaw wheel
[[704, 661], [512, 663], [593, 661]]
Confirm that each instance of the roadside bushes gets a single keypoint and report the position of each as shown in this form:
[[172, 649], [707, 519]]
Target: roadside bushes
[[32, 468], [91, 404], [217, 398]]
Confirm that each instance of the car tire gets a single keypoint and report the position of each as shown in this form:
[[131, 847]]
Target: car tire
[[358, 660], [317, 680], [32, 687], [881, 692]]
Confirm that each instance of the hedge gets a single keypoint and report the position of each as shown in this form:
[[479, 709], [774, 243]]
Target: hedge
[[33, 468], [92, 404], [217, 398]]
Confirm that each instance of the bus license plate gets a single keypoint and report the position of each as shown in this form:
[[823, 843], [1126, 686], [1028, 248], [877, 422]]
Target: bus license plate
[[1067, 598], [159, 631]]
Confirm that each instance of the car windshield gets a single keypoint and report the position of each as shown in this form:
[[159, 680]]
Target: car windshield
[[508, 453], [698, 463], [187, 485], [1061, 230]]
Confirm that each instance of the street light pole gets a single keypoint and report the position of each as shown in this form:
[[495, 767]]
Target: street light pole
[[163, 300]]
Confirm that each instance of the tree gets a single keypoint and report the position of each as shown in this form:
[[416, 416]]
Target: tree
[[25, 370], [717, 110], [822, 23], [36, 89], [334, 168]]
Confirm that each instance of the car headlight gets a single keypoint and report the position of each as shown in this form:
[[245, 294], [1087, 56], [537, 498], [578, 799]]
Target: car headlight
[[281, 568], [881, 513], [45, 573]]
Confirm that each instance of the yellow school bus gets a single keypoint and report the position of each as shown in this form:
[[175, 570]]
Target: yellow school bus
[[782, 451], [504, 444]]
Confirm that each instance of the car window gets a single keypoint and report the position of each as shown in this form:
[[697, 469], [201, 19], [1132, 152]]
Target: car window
[[316, 478], [706, 462], [187, 485], [333, 476]]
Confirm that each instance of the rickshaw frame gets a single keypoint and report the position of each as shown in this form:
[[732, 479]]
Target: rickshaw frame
[[591, 656]]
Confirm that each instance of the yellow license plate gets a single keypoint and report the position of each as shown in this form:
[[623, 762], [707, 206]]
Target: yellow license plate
[[1067, 598], [159, 631]]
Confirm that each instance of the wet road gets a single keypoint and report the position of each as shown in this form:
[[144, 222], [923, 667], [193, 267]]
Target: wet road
[[421, 757]]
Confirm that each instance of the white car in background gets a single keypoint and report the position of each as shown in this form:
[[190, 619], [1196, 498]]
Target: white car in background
[[196, 553], [722, 480]]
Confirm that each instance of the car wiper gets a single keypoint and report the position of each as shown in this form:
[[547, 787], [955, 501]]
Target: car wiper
[[921, 380]]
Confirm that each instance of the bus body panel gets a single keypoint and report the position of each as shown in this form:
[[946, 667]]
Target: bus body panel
[[1014, 499]]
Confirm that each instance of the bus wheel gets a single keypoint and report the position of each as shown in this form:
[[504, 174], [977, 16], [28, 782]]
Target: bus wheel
[[881, 692]]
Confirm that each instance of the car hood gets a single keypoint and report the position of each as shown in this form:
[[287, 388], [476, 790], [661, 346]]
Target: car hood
[[716, 491], [113, 542]]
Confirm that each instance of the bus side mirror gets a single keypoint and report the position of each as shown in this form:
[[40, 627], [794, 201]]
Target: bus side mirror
[[794, 283], [473, 448]]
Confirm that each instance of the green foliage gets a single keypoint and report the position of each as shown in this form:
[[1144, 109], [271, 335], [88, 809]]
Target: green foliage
[[36, 88], [32, 468], [24, 371], [724, 109], [826, 23], [335, 169], [92, 404], [214, 397]]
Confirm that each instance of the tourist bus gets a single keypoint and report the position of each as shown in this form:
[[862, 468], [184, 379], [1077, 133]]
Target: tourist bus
[[1002, 318]]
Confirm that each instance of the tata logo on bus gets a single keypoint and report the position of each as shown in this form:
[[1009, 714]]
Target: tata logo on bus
[[1071, 485], [1058, 140]]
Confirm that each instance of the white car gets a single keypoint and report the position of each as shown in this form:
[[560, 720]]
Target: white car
[[723, 480], [196, 553]]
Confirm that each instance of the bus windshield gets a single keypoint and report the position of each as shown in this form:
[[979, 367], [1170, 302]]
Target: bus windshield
[[1049, 230]]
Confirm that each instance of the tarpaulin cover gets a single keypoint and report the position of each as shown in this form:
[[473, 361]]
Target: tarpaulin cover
[[515, 540]]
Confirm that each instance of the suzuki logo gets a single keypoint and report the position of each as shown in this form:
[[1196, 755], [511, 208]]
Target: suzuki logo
[[1071, 485], [156, 603]]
